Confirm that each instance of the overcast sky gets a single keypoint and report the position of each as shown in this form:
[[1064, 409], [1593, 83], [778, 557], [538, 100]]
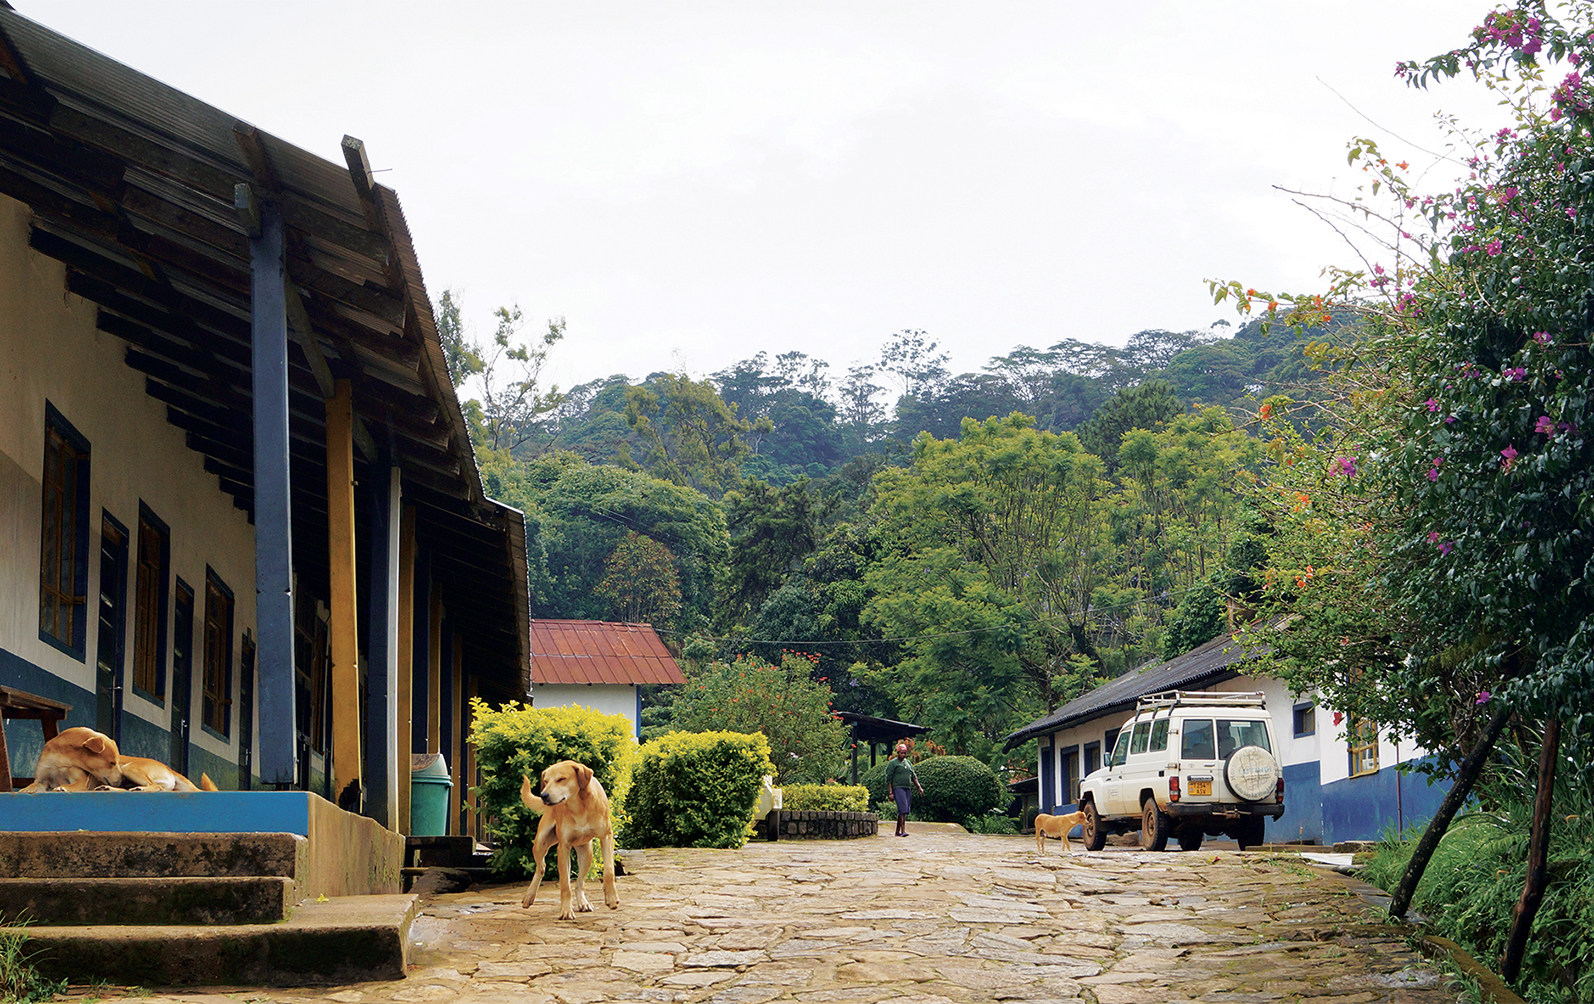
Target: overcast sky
[[690, 183]]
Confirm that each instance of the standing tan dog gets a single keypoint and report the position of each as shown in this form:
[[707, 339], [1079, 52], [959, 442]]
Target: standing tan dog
[[1056, 826], [574, 811], [81, 759]]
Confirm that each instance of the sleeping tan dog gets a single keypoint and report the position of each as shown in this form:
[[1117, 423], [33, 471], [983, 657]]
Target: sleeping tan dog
[[1056, 826], [81, 759], [574, 811], [143, 774]]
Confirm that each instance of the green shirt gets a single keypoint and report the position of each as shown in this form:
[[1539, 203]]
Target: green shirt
[[900, 774]]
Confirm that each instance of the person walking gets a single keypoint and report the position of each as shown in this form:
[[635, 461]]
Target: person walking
[[900, 774]]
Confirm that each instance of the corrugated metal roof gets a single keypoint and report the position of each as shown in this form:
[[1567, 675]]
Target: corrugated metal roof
[[599, 652], [133, 187], [1200, 667]]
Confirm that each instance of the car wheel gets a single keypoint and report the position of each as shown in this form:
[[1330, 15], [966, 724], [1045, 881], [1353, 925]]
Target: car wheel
[[1250, 832], [1251, 773], [1153, 827], [1095, 836], [1190, 839]]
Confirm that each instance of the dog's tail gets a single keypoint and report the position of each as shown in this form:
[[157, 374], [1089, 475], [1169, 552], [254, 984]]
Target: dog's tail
[[206, 784], [529, 800]]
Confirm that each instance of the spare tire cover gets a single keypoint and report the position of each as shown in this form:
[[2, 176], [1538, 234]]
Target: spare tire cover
[[1251, 773]]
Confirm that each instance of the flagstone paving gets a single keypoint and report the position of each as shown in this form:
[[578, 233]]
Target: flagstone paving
[[937, 918]]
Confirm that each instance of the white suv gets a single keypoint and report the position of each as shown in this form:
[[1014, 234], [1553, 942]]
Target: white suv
[[1187, 765]]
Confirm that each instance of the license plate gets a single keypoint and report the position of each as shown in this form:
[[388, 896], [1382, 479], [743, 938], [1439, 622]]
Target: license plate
[[1200, 787]]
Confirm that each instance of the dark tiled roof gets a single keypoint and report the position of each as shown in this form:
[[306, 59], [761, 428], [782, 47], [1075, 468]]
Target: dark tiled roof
[[599, 652], [866, 728], [1200, 667]]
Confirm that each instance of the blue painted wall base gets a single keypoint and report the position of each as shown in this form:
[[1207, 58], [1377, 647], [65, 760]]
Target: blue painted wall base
[[159, 811]]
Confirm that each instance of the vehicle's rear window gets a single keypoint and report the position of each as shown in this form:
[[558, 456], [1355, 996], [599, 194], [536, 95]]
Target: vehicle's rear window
[[1198, 742], [1237, 732]]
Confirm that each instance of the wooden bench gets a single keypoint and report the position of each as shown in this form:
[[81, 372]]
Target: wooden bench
[[16, 703]]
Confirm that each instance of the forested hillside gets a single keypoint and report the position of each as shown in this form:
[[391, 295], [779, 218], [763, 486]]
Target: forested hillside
[[966, 551]]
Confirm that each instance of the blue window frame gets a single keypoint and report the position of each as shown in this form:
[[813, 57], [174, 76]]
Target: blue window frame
[[216, 705], [1305, 718], [64, 537]]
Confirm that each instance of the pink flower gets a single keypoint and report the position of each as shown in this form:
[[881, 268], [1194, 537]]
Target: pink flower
[[1510, 455], [1514, 372], [1433, 536], [1432, 404], [1344, 465], [1546, 425], [1446, 546], [1484, 697], [1542, 337]]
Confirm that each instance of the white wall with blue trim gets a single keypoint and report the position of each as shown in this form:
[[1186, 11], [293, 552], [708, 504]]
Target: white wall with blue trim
[[1323, 802], [54, 353]]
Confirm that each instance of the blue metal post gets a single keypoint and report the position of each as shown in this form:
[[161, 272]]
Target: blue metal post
[[273, 522]]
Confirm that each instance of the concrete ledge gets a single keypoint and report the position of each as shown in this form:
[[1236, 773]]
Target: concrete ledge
[[354, 939], [348, 855], [88, 854], [186, 900]]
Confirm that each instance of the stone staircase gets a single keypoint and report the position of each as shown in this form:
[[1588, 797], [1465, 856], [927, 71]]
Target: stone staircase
[[193, 909]]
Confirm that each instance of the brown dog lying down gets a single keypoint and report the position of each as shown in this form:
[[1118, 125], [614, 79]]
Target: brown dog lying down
[[81, 759], [574, 811], [1056, 826]]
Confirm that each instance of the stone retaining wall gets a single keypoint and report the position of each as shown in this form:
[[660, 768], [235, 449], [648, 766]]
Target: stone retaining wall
[[783, 824]]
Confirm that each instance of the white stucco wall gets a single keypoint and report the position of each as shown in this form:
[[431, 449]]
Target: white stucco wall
[[609, 699], [51, 350]]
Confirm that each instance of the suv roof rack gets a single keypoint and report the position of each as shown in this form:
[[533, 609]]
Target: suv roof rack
[[1171, 698]]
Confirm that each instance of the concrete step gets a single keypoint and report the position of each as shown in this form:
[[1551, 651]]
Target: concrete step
[[87, 854], [229, 899], [348, 939]]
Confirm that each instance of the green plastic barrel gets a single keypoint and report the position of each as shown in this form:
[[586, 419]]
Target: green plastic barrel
[[429, 787]]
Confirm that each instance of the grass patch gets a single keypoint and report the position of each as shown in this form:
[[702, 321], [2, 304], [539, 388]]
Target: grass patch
[[20, 983]]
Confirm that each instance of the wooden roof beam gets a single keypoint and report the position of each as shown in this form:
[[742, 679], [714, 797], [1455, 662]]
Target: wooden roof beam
[[365, 188]]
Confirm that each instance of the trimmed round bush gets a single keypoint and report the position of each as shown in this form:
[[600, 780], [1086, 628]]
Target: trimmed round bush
[[955, 788], [695, 789]]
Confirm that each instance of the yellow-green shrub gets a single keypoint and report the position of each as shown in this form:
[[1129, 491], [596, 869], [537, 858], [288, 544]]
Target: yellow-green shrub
[[824, 798], [695, 789], [513, 740]]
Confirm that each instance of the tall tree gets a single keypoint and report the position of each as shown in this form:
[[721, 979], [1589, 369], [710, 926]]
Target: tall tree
[[688, 434], [463, 360], [641, 582], [1145, 406], [996, 546]]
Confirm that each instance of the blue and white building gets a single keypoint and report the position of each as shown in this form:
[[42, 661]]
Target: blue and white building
[[1340, 780]]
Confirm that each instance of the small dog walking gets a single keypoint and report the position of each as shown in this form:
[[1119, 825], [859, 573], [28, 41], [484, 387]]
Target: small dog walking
[[1056, 826]]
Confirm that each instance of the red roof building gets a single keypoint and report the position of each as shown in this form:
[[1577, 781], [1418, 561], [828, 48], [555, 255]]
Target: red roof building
[[598, 665], [599, 652]]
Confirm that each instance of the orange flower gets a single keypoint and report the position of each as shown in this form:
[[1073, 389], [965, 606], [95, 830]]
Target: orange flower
[[1267, 411]]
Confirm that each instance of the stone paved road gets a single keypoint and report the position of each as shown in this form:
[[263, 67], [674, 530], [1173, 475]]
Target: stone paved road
[[937, 918]]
